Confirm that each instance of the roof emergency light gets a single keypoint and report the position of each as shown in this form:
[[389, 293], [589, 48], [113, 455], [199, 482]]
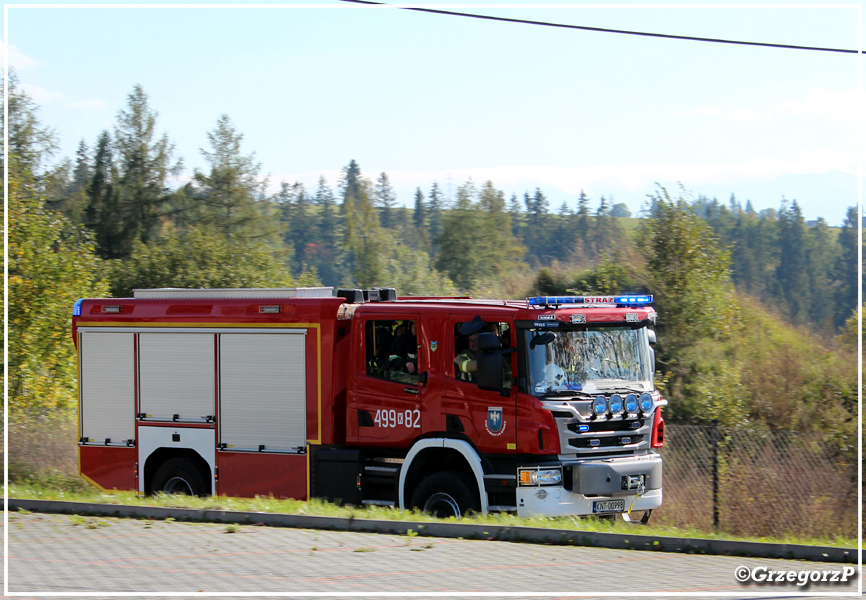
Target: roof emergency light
[[633, 300]]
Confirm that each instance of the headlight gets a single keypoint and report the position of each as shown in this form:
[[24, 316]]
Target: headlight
[[599, 405], [646, 402], [631, 403], [540, 476], [616, 404]]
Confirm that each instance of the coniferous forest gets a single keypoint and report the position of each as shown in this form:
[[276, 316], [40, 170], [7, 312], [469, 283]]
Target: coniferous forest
[[757, 310]]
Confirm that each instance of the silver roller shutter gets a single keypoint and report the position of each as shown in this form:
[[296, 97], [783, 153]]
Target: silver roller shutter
[[177, 375], [263, 391], [107, 387]]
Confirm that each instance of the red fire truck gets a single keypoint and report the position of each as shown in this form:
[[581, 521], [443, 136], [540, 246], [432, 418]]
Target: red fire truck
[[541, 406]]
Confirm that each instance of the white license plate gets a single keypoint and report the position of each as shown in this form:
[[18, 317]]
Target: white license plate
[[603, 506]]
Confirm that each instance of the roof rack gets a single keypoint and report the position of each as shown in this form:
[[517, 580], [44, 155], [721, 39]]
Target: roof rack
[[179, 293]]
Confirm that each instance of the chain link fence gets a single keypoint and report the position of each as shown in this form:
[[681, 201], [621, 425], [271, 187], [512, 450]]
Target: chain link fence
[[757, 483]]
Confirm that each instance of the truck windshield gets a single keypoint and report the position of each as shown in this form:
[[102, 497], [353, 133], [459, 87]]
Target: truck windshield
[[590, 360]]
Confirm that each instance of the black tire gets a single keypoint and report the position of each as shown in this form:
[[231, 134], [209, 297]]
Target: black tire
[[446, 494], [643, 520], [179, 476]]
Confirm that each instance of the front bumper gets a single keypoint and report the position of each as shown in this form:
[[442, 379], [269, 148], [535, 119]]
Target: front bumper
[[586, 482], [559, 502]]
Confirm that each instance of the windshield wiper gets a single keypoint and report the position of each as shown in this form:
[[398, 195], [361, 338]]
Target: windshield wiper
[[559, 393], [631, 388]]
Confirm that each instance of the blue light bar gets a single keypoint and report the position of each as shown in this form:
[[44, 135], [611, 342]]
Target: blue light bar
[[636, 300], [76, 308]]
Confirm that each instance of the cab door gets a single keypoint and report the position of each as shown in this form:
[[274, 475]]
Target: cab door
[[387, 382], [486, 417]]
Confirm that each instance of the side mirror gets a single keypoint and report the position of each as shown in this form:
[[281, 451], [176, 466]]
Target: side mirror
[[651, 335], [542, 339], [490, 373]]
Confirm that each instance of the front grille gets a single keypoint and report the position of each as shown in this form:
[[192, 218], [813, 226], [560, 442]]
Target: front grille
[[604, 442], [582, 435], [606, 426]]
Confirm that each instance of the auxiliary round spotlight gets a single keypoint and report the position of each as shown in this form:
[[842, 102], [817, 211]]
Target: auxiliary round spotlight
[[616, 404], [646, 402], [599, 405]]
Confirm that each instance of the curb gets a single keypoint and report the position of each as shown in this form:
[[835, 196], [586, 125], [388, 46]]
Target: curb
[[534, 535]]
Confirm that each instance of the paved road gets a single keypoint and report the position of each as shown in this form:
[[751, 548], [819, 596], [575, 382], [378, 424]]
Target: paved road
[[62, 553]]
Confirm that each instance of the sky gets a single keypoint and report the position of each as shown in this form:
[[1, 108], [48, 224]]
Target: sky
[[427, 97]]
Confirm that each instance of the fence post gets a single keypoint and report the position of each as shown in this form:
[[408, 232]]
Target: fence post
[[714, 436]]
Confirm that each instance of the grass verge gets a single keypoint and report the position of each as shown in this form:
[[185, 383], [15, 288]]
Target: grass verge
[[81, 492]]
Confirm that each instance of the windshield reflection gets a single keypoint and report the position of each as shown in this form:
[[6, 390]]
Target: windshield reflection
[[590, 360]]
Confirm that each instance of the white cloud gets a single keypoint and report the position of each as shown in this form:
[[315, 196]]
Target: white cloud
[[40, 95], [840, 105], [17, 59]]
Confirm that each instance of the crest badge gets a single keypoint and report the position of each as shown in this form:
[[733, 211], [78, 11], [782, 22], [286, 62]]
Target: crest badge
[[433, 346], [494, 419]]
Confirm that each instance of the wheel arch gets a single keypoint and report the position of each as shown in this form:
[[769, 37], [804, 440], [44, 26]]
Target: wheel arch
[[431, 455], [160, 455]]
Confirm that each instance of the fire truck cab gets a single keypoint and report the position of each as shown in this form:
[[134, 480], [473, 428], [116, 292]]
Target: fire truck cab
[[449, 405]]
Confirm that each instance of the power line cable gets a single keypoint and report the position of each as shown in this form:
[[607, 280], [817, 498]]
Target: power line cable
[[605, 30]]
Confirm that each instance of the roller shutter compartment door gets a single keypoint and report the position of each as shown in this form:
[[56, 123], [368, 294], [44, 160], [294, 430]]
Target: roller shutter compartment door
[[263, 391], [107, 387], [177, 375]]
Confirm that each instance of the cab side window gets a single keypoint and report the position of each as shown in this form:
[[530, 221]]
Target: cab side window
[[392, 350], [466, 347]]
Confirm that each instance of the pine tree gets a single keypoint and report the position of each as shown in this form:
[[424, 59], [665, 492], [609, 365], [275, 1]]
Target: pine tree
[[821, 255], [229, 196], [792, 272], [516, 217], [105, 211], [298, 233], [435, 207], [419, 217], [143, 164], [386, 199], [845, 269]]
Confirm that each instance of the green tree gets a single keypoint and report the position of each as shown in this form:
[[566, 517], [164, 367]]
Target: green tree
[[144, 164], [105, 213], [476, 245], [51, 264], [230, 197], [198, 258], [793, 270], [419, 216], [407, 270], [689, 274], [326, 254], [434, 212], [386, 199], [845, 269]]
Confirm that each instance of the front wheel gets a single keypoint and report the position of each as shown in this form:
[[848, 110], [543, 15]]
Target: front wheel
[[179, 476], [446, 494], [632, 517]]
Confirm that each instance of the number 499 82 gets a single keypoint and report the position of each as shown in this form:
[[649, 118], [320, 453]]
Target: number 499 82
[[398, 418]]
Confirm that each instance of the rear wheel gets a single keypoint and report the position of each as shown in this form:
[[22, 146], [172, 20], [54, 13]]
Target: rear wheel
[[179, 476], [446, 494]]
